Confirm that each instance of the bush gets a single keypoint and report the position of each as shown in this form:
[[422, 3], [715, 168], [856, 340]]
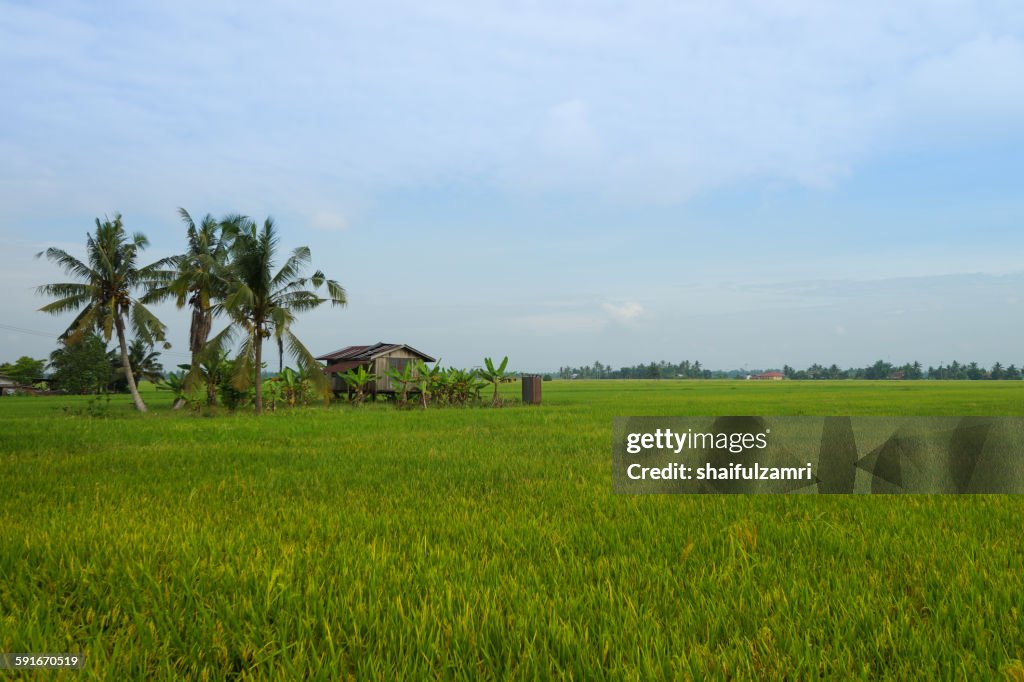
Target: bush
[[231, 397]]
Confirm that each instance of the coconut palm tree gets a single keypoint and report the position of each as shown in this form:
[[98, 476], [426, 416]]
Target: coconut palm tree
[[199, 282], [261, 302], [103, 296]]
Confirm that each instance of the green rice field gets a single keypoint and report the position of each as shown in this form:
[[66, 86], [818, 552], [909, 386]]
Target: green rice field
[[372, 543]]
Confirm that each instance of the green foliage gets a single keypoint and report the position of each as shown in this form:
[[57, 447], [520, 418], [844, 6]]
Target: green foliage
[[404, 379], [144, 362], [296, 387], [496, 376], [231, 396], [458, 387], [468, 544], [214, 369], [427, 379], [357, 380], [272, 392], [177, 384], [25, 370], [81, 367]]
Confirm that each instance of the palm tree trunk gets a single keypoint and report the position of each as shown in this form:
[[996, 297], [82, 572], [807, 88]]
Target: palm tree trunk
[[202, 322], [259, 371], [139, 405]]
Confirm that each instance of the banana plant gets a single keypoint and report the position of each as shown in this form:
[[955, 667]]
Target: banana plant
[[273, 392], [175, 383], [356, 380], [404, 378], [426, 381], [214, 366], [496, 376], [464, 385], [291, 386]]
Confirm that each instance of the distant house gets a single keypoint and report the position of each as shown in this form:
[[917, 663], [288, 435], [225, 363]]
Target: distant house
[[377, 359], [7, 385], [769, 376]]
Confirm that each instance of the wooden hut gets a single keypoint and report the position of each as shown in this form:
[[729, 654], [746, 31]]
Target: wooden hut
[[377, 359]]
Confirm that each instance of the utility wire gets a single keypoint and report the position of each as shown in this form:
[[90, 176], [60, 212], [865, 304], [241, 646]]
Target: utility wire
[[54, 335], [28, 331]]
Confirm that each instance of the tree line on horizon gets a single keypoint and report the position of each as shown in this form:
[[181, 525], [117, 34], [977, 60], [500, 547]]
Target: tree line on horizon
[[879, 370]]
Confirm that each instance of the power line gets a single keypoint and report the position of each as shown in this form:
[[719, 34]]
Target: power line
[[28, 331], [55, 336]]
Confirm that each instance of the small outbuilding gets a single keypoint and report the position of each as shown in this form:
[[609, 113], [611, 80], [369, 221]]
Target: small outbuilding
[[769, 376], [377, 359]]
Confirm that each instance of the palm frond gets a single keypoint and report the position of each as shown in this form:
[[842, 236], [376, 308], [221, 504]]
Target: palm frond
[[84, 323], [300, 301], [145, 325], [307, 364], [292, 267], [244, 364], [68, 263], [67, 304]]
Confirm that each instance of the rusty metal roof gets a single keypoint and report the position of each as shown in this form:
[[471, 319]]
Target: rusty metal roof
[[370, 352], [343, 366]]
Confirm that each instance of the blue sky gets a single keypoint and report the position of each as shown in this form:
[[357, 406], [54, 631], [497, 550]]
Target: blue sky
[[743, 183]]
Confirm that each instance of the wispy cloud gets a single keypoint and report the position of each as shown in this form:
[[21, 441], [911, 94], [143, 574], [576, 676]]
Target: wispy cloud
[[623, 312], [641, 101]]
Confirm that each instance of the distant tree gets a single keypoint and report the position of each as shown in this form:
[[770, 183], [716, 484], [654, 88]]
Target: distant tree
[[24, 371], [81, 367], [104, 295], [879, 370]]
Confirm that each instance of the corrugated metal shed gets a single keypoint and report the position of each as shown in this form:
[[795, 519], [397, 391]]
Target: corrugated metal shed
[[377, 358], [370, 352]]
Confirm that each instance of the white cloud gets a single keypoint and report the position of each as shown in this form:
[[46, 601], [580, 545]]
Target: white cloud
[[623, 312], [328, 220], [641, 102]]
